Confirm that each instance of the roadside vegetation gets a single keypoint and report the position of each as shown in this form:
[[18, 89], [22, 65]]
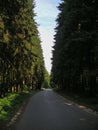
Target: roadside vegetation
[[10, 104], [75, 51], [21, 57]]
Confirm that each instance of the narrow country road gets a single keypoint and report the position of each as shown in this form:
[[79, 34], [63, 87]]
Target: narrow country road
[[48, 111]]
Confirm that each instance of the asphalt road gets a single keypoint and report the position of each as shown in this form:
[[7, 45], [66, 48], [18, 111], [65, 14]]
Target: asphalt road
[[48, 111]]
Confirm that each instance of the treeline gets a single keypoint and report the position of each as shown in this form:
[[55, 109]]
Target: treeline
[[75, 51], [21, 58]]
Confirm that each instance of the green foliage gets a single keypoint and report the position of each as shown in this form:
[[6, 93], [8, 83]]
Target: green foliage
[[21, 58], [74, 52], [46, 83], [9, 104]]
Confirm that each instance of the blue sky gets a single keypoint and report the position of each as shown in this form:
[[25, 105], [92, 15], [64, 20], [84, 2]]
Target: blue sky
[[47, 12]]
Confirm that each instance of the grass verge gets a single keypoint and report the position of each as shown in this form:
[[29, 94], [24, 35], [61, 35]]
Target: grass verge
[[10, 104]]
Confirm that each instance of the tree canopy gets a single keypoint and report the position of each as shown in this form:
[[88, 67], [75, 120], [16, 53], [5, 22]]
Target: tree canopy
[[21, 56], [75, 51]]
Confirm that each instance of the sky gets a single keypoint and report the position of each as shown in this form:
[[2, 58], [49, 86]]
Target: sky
[[46, 11]]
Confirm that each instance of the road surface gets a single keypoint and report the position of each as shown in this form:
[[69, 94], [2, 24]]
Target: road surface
[[48, 111]]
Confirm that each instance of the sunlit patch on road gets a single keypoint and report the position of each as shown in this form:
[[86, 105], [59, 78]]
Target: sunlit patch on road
[[82, 107], [69, 104]]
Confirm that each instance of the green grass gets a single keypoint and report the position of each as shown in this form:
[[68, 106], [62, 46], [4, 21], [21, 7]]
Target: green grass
[[9, 105], [89, 102]]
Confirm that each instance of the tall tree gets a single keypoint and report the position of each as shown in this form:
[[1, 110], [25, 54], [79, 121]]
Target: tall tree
[[74, 58], [20, 50]]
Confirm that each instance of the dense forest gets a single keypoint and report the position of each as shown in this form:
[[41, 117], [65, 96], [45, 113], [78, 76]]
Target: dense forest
[[21, 58], [75, 51]]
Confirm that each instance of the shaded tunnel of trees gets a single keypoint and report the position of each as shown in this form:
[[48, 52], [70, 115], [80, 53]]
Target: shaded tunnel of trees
[[21, 58], [75, 51]]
